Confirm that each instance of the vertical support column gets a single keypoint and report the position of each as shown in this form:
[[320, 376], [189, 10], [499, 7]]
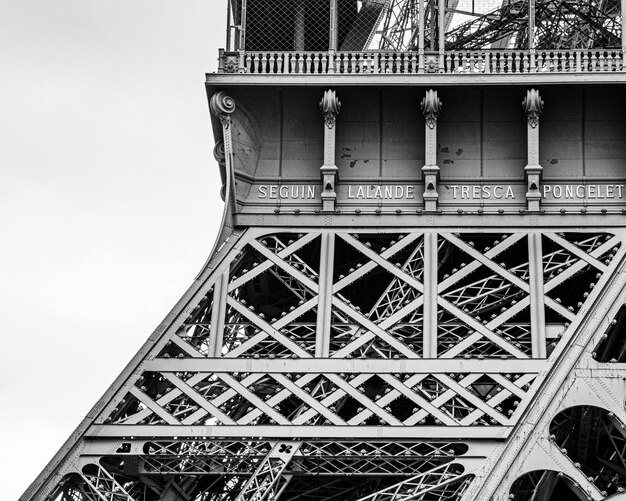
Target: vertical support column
[[531, 34], [430, 295], [431, 106], [218, 315], [537, 308], [533, 106], [442, 35], [228, 27], [332, 42], [242, 38], [299, 20], [324, 301], [622, 11], [420, 39], [330, 107]]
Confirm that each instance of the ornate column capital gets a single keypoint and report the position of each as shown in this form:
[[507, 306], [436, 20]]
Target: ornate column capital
[[330, 106], [431, 106], [222, 105], [532, 106]]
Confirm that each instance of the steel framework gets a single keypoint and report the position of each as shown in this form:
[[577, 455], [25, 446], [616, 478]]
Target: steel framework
[[405, 25], [419, 351], [336, 334]]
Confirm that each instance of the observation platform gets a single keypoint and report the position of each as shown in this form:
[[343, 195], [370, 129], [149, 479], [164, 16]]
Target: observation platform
[[409, 67]]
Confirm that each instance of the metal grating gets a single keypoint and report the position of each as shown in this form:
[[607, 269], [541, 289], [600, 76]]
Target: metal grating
[[287, 25]]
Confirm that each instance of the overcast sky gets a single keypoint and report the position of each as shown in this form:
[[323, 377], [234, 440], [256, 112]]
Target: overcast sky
[[109, 200]]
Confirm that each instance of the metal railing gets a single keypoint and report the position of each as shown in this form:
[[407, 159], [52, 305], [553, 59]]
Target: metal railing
[[457, 62]]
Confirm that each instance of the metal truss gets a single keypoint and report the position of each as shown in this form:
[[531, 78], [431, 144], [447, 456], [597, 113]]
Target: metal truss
[[394, 25], [443, 482], [95, 483], [571, 24], [390, 348]]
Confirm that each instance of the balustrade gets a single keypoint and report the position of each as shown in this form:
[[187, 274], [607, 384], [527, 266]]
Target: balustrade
[[456, 62]]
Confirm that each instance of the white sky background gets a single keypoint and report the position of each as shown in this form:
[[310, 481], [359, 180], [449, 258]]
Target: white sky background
[[109, 200]]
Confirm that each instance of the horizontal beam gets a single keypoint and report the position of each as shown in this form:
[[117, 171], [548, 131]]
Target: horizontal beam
[[302, 432], [111, 446], [510, 219], [421, 80], [349, 366]]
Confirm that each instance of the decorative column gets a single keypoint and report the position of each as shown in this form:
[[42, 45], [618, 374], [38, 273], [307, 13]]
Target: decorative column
[[330, 107], [533, 105], [223, 106], [431, 106]]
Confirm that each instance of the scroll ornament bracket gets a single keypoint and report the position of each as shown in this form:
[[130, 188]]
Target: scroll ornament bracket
[[222, 106], [431, 107], [532, 106], [220, 156], [330, 106]]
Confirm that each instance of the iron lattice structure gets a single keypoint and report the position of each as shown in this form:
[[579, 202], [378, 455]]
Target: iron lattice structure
[[335, 337], [394, 25], [343, 345]]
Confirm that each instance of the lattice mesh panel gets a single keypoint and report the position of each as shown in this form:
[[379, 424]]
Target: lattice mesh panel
[[571, 24], [287, 25]]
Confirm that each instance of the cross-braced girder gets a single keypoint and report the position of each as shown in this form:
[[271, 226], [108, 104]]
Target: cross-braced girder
[[256, 355]]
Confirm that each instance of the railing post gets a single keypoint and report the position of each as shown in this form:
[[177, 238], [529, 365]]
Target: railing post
[[220, 61], [531, 35], [623, 9], [242, 61], [242, 31], [420, 38], [442, 34], [332, 43]]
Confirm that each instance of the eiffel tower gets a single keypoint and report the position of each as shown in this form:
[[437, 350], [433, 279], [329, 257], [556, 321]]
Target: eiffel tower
[[418, 289]]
